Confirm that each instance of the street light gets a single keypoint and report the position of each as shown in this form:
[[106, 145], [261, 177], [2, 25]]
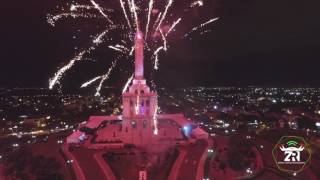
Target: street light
[[249, 171], [210, 151]]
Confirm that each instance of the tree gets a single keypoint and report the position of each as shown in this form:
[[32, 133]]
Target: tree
[[239, 153]]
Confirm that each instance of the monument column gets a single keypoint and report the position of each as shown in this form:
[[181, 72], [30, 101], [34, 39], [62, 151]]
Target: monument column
[[139, 103], [138, 56]]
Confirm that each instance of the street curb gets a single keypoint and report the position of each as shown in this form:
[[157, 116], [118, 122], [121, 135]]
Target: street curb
[[104, 166], [177, 164], [200, 169], [75, 165]]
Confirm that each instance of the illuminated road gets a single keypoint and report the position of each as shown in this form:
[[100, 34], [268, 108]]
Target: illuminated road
[[188, 169], [88, 164]]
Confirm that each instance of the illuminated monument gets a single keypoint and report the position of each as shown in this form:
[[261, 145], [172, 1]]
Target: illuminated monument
[[139, 104], [139, 124], [154, 137]]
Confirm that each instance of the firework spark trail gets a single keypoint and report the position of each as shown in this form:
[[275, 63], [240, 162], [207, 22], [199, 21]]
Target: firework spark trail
[[116, 49], [197, 3], [157, 20], [99, 39], [122, 47], [58, 75], [53, 81], [149, 16], [101, 11], [131, 51], [125, 88], [75, 14], [156, 59], [124, 42], [164, 40], [76, 7], [125, 13], [86, 84], [200, 26], [164, 14], [134, 11], [173, 26], [119, 48], [155, 121], [53, 19], [164, 47], [105, 77], [130, 7], [208, 22], [131, 16]]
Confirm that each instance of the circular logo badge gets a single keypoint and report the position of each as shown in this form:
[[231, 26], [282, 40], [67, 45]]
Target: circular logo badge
[[291, 154]]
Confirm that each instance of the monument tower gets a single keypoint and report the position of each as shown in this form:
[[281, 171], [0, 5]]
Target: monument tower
[[139, 104], [139, 121]]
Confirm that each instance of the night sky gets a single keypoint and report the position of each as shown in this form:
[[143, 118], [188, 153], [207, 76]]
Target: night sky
[[255, 42]]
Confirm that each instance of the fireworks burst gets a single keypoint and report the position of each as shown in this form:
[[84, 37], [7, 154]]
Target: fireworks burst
[[197, 3], [200, 26], [125, 13], [164, 14], [158, 19], [149, 16], [96, 6], [173, 26], [86, 84], [96, 42], [156, 55], [105, 77]]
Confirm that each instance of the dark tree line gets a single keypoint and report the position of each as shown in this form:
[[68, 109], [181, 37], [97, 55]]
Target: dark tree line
[[240, 153], [22, 164]]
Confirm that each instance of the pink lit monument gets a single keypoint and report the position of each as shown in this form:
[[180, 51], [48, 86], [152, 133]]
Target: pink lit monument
[[138, 47], [140, 124], [139, 104]]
